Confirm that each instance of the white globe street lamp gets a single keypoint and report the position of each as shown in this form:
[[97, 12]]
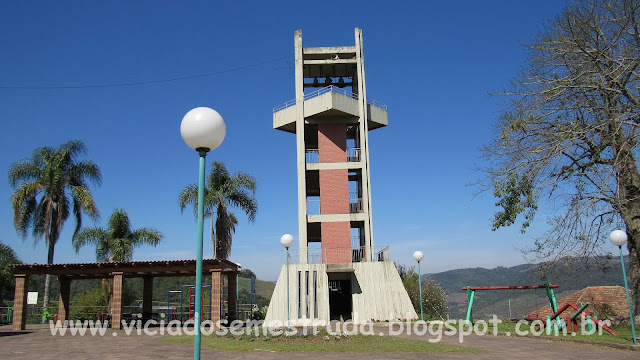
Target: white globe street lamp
[[418, 256], [287, 240], [619, 238], [203, 130]]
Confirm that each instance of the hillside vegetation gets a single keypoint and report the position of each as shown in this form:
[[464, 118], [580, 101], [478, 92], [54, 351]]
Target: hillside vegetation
[[570, 274]]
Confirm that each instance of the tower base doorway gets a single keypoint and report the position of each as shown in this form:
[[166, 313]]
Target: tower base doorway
[[340, 299]]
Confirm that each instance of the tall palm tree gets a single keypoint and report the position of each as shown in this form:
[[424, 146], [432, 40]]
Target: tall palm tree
[[222, 192], [116, 242], [49, 186]]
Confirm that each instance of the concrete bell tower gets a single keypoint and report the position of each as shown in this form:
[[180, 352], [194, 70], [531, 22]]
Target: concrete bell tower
[[348, 278], [331, 117]]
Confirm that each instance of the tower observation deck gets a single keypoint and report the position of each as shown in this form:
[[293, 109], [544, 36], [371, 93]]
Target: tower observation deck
[[331, 117]]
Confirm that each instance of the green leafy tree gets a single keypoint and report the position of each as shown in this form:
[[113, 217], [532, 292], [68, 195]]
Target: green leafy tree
[[222, 192], [49, 186], [246, 273], [7, 282], [116, 242], [434, 298], [89, 304], [569, 134]]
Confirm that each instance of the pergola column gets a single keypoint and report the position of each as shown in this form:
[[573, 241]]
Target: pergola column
[[63, 303], [20, 302], [116, 300], [216, 295], [147, 298], [232, 281]]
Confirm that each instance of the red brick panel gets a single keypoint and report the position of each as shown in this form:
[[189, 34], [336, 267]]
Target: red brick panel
[[336, 242], [216, 296], [20, 302], [332, 143], [334, 191], [116, 301]]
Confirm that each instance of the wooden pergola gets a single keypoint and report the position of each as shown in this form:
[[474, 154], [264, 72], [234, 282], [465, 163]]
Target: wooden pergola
[[117, 272]]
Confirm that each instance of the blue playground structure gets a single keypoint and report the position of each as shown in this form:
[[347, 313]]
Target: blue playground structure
[[192, 301], [175, 313]]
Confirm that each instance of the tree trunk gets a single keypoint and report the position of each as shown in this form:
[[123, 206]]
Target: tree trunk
[[213, 238], [47, 278], [107, 290], [629, 200], [634, 269]]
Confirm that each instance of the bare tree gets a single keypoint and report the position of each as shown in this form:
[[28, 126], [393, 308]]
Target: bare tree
[[569, 134]]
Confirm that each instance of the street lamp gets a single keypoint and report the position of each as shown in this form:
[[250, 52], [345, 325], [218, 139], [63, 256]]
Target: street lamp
[[418, 256], [287, 240], [619, 238], [203, 130]]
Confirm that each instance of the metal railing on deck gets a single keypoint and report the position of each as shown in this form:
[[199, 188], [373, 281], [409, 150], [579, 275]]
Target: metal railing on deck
[[353, 154], [343, 255], [313, 206], [355, 203], [325, 90], [311, 156]]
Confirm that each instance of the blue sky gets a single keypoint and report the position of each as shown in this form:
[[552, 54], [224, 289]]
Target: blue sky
[[433, 63]]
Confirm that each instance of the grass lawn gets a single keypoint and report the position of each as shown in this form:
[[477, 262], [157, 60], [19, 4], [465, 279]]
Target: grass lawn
[[624, 334], [322, 343]]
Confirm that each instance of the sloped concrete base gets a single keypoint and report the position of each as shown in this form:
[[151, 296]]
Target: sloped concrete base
[[377, 293]]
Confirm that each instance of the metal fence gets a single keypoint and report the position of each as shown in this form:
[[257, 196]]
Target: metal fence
[[34, 313], [6, 315]]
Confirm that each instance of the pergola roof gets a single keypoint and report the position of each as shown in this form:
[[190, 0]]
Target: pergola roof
[[129, 269]]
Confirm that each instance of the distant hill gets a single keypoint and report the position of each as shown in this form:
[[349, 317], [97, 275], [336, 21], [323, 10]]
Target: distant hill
[[570, 274]]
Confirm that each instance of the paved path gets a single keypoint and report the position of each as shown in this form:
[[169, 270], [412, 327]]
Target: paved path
[[38, 343]]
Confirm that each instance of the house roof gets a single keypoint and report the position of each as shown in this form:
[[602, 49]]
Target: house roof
[[613, 296], [128, 269]]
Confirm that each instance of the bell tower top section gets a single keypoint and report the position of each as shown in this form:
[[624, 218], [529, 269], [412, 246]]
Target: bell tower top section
[[325, 70]]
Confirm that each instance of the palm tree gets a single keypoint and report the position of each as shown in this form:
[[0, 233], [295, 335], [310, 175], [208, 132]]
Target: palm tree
[[221, 192], [49, 186], [116, 242]]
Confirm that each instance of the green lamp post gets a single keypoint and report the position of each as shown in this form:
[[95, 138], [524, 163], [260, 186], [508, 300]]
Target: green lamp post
[[203, 130], [287, 240], [418, 256], [619, 238]]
